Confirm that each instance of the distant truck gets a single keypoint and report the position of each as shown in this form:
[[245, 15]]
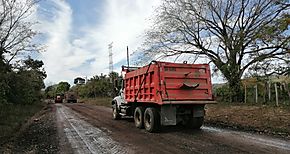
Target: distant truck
[[58, 98], [71, 97], [164, 93]]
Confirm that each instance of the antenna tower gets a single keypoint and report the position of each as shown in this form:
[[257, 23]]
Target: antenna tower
[[110, 57]]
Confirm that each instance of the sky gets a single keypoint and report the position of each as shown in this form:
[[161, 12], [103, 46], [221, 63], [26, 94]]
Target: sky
[[76, 34]]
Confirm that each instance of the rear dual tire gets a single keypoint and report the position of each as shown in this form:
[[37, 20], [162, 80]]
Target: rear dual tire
[[151, 120], [148, 119]]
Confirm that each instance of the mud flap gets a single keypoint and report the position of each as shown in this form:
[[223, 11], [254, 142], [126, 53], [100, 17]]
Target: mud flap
[[198, 111], [168, 115]]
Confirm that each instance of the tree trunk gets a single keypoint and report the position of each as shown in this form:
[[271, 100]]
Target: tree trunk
[[236, 90], [287, 90], [233, 75]]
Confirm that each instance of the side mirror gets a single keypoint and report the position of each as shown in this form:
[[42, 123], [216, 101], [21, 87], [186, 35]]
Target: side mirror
[[116, 89]]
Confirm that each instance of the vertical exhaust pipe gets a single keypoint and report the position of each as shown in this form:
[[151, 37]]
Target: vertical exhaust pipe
[[128, 56]]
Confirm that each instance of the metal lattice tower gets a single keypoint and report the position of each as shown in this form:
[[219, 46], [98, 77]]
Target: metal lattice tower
[[111, 57]]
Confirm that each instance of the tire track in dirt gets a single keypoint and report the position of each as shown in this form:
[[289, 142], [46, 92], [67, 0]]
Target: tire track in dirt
[[122, 132], [83, 137]]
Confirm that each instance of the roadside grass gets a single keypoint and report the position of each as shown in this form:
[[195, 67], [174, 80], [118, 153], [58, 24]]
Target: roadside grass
[[260, 118], [13, 116], [101, 101]]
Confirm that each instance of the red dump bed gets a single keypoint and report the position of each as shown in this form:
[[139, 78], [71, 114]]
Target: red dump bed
[[165, 83]]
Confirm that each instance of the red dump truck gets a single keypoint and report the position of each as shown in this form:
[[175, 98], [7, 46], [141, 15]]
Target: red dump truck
[[164, 93]]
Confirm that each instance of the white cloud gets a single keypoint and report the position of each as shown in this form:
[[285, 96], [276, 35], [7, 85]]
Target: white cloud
[[123, 22], [57, 33]]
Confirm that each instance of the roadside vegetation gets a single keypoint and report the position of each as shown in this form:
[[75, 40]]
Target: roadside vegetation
[[256, 93], [57, 89], [259, 112], [99, 86], [258, 118], [13, 116], [21, 76], [98, 90]]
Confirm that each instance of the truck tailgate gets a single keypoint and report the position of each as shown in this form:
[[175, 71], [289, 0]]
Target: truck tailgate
[[186, 82]]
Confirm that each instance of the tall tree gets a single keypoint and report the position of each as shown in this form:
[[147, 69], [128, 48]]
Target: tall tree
[[16, 32], [62, 87], [233, 34], [21, 80], [50, 91], [24, 85]]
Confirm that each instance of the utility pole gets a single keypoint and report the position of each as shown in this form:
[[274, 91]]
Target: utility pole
[[128, 57], [110, 58], [111, 69]]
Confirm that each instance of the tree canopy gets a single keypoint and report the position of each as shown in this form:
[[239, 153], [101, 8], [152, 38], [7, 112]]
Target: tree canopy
[[21, 78], [62, 87], [233, 34], [24, 85], [97, 86], [16, 29]]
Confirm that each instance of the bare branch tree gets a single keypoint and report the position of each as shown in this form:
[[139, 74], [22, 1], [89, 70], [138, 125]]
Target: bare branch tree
[[233, 34], [16, 32]]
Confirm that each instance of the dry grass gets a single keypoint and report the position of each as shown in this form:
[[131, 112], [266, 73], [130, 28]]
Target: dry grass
[[101, 101], [266, 119], [12, 117]]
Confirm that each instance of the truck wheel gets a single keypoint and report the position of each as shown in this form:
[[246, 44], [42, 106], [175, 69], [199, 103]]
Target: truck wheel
[[151, 120], [116, 114], [138, 117], [195, 122]]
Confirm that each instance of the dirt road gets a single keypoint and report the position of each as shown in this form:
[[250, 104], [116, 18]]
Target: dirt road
[[90, 129]]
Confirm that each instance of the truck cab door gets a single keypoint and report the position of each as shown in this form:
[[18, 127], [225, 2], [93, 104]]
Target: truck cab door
[[122, 89], [120, 99]]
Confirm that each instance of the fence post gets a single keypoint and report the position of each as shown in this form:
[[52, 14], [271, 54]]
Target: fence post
[[265, 92], [245, 94], [256, 88], [276, 92], [269, 91]]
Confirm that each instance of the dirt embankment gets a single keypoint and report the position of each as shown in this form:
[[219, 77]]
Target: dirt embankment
[[261, 119], [38, 135]]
